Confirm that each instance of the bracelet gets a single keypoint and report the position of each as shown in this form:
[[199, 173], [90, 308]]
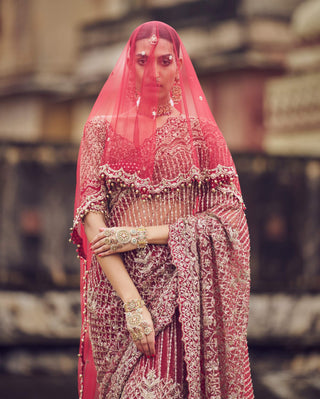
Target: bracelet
[[118, 238], [142, 237], [133, 305]]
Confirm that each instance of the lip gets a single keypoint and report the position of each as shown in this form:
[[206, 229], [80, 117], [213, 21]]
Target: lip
[[153, 86]]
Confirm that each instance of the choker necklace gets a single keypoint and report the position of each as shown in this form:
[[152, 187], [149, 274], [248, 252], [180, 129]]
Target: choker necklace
[[162, 110]]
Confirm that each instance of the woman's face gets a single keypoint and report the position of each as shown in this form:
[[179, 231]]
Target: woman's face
[[157, 77]]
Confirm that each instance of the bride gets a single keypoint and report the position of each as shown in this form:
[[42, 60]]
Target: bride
[[161, 235]]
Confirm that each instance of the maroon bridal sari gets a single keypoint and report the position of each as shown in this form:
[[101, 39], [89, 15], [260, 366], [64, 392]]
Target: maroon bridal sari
[[137, 171]]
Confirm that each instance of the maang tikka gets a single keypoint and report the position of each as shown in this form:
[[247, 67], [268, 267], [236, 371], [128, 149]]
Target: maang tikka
[[153, 40]]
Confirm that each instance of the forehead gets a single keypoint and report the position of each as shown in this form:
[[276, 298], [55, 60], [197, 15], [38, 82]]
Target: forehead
[[162, 47]]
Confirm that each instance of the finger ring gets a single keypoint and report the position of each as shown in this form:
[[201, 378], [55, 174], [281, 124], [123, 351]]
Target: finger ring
[[136, 335], [147, 330], [107, 240], [113, 247]]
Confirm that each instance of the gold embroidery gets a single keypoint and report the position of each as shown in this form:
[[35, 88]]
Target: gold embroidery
[[217, 233], [152, 387]]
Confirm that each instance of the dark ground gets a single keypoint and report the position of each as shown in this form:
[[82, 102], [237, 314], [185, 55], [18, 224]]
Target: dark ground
[[38, 387]]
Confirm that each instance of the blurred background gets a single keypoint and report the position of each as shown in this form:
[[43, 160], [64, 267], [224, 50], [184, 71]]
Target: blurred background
[[259, 64]]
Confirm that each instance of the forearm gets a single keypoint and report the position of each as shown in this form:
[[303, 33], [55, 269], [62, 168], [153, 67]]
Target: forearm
[[112, 265], [157, 234]]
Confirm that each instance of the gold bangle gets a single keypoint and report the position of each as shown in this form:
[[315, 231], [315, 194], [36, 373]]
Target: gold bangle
[[142, 237], [133, 305]]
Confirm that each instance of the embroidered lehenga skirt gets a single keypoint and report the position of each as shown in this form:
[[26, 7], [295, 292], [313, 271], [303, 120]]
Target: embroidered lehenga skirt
[[196, 289]]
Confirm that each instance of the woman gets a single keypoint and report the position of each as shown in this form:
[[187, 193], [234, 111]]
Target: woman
[[161, 235]]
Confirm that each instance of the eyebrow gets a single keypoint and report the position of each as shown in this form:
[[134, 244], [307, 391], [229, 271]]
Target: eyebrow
[[143, 54]]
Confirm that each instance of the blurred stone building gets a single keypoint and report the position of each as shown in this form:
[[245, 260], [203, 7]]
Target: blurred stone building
[[55, 56], [259, 64]]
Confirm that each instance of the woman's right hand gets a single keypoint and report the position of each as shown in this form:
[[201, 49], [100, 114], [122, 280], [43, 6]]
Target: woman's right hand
[[140, 327]]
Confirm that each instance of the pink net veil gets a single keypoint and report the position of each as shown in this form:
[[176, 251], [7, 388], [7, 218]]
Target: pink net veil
[[152, 88]]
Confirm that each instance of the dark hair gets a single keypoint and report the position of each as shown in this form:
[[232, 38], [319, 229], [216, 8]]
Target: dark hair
[[161, 30]]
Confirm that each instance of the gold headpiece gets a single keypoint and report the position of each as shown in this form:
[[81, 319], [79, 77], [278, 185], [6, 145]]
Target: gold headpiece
[[153, 40]]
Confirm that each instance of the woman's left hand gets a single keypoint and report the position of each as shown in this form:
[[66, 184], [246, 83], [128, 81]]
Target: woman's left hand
[[113, 240]]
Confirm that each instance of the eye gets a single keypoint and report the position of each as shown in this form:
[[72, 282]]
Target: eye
[[142, 59], [166, 60]]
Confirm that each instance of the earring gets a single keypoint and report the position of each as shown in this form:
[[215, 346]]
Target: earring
[[131, 90], [176, 91], [132, 93]]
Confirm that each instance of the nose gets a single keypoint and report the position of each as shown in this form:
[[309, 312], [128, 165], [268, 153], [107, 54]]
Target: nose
[[152, 74], [156, 72]]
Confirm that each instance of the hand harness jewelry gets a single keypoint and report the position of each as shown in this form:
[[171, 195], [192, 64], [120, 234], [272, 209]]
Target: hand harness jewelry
[[137, 326], [118, 238]]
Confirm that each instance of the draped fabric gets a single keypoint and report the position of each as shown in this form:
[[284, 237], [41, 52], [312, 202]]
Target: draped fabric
[[211, 253], [143, 161]]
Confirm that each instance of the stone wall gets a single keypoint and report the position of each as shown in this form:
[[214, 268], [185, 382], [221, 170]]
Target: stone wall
[[49, 77]]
